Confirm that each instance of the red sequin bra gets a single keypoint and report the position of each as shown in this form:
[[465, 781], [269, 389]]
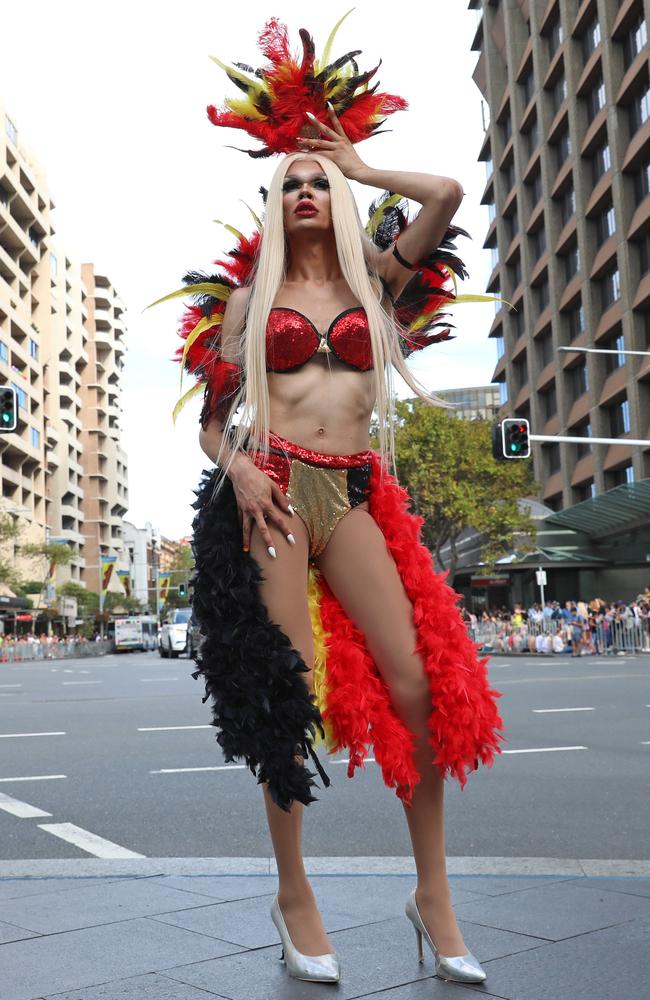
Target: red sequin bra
[[292, 339]]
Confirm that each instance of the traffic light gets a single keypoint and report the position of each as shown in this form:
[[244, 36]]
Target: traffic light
[[511, 438], [8, 409], [182, 590]]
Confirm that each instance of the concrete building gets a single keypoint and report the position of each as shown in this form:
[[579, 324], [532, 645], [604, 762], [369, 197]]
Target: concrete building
[[142, 548], [63, 473], [479, 402], [567, 154]]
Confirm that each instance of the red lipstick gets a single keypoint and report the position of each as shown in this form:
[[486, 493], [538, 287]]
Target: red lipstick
[[306, 208]]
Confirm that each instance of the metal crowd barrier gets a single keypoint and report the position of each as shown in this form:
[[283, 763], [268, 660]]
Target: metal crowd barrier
[[552, 637], [16, 652]]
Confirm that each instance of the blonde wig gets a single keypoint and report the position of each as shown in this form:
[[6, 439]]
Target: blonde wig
[[357, 258]]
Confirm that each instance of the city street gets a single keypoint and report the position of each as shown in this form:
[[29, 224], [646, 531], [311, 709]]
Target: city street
[[114, 757]]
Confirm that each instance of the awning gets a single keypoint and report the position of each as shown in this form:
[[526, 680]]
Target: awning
[[619, 510]]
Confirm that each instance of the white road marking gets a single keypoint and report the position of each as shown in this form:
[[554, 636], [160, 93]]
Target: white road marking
[[89, 842], [36, 777], [544, 749], [10, 685], [21, 809], [541, 711], [163, 729], [82, 682], [4, 736], [150, 680], [232, 767]]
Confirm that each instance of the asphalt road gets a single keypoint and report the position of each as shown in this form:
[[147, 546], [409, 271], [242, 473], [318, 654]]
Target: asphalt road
[[116, 754]]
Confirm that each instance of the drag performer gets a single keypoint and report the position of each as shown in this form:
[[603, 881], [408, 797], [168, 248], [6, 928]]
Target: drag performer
[[323, 621]]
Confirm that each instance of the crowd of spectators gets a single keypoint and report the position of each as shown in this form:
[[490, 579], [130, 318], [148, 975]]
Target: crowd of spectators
[[28, 645], [595, 627]]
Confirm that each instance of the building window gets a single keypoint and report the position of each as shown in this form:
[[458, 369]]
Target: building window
[[567, 204], [619, 418], [515, 270], [503, 393], [512, 224], [586, 491], [644, 252], [579, 380], [492, 212], [562, 149], [583, 431], [602, 162], [519, 319], [559, 93], [545, 350], [33, 349], [629, 473], [543, 295], [614, 361], [552, 457], [509, 175], [22, 396], [4, 353], [591, 38], [11, 131], [635, 40], [528, 87], [548, 401], [576, 320], [596, 97], [36, 438], [538, 242], [642, 181], [501, 350], [520, 370], [506, 128], [571, 262], [53, 265], [606, 223], [640, 110], [532, 138], [610, 288], [555, 38]]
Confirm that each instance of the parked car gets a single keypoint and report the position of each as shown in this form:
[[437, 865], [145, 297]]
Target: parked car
[[172, 640]]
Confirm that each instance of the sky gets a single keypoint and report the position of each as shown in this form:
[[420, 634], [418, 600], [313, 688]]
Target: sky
[[111, 100]]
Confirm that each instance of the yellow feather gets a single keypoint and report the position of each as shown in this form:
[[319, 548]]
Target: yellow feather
[[244, 106], [256, 218], [231, 229], [205, 323], [199, 387], [253, 85], [376, 217], [202, 288], [320, 64], [319, 674]]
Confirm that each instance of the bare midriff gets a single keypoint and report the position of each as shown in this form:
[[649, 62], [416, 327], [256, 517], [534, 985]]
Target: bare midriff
[[325, 405]]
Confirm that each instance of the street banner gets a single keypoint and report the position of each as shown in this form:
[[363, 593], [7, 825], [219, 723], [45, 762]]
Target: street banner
[[125, 577], [107, 568], [164, 576]]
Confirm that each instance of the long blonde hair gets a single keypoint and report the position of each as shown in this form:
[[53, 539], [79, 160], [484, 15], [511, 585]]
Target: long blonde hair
[[357, 258]]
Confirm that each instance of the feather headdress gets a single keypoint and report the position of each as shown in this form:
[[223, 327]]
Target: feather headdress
[[278, 96]]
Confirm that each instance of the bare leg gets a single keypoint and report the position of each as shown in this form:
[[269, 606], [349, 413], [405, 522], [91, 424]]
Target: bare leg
[[283, 592], [363, 576]]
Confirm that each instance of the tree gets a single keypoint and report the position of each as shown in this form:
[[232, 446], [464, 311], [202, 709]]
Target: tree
[[10, 530], [446, 464]]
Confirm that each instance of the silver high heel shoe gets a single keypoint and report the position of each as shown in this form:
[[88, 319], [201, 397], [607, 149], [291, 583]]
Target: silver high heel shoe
[[313, 968], [460, 968]]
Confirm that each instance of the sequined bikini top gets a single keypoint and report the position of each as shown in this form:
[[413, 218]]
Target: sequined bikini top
[[292, 339]]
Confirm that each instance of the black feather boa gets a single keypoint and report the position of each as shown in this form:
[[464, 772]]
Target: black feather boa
[[261, 706]]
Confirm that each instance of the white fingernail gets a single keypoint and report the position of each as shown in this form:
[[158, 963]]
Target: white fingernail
[[309, 115], [291, 540], [291, 510], [271, 551], [330, 105]]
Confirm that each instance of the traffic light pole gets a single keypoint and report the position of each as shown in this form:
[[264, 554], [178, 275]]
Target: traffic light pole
[[586, 440]]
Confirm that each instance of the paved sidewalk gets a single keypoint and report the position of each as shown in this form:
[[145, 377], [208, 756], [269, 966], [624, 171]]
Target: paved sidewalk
[[194, 928]]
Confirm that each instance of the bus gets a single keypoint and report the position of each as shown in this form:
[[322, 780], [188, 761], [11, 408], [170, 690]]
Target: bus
[[133, 632]]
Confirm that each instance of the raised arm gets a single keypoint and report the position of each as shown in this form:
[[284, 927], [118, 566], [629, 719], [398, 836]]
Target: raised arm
[[439, 196]]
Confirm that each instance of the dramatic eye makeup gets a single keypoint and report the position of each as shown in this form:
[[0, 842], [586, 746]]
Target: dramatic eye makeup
[[291, 183]]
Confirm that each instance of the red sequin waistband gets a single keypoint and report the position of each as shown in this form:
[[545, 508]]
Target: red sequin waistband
[[319, 458]]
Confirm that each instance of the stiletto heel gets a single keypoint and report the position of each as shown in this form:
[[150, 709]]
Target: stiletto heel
[[313, 968], [459, 968]]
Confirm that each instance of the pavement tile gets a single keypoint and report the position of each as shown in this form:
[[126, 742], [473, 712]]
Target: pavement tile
[[221, 887], [377, 957], [9, 932], [82, 958], [16, 888], [147, 987], [633, 886], [554, 911], [496, 885], [608, 964], [95, 904]]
